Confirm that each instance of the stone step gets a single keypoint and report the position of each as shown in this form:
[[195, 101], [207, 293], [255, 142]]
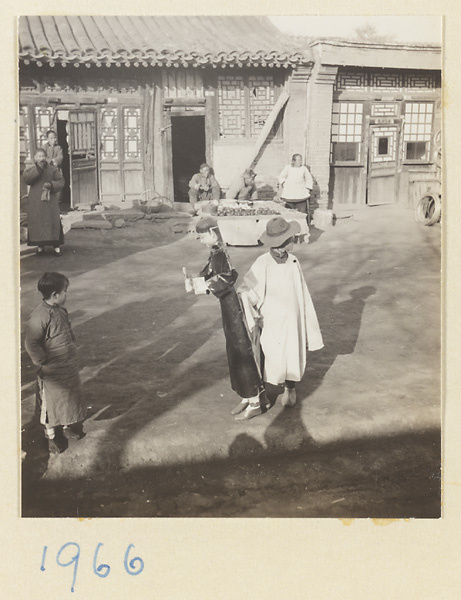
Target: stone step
[[92, 224]]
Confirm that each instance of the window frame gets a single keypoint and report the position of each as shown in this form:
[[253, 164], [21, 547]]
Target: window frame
[[359, 160], [428, 142], [123, 158], [276, 133]]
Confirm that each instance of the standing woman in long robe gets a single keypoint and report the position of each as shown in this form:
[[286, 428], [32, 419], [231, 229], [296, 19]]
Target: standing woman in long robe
[[220, 278], [43, 219], [276, 298]]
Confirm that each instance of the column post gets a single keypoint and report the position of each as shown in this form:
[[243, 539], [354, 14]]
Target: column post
[[320, 100], [296, 115]]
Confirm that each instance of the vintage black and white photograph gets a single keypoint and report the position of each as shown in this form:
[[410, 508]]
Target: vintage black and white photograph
[[230, 266]]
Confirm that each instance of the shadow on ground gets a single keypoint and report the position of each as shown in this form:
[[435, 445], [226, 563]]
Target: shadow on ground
[[383, 477], [127, 362]]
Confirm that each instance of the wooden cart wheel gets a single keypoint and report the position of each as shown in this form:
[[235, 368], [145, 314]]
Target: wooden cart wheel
[[428, 209]]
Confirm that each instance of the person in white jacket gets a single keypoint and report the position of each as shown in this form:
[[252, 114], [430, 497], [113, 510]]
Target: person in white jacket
[[277, 302], [296, 184]]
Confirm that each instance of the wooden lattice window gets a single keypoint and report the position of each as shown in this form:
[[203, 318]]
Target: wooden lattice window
[[132, 133], [346, 131], [417, 130], [384, 109], [24, 139], [109, 133], [356, 80], [244, 104], [384, 144], [231, 99], [387, 81], [262, 100], [83, 134], [43, 121]]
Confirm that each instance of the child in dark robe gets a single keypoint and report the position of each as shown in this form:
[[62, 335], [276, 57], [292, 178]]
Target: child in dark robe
[[50, 343]]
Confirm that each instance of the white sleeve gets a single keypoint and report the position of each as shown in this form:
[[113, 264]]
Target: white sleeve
[[283, 175], [308, 179]]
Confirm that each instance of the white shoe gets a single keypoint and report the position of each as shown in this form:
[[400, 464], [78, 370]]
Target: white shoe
[[240, 407], [289, 397], [252, 410]]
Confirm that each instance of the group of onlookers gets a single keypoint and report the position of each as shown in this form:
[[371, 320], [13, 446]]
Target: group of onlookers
[[46, 183], [295, 182]]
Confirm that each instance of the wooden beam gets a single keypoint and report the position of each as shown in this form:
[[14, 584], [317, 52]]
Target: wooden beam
[[282, 100], [248, 160]]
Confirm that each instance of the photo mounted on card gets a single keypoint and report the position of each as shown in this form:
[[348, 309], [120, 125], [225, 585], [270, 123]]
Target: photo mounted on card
[[176, 343]]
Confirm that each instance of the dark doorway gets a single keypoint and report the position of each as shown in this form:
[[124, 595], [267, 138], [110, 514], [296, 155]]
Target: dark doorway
[[188, 152], [61, 132]]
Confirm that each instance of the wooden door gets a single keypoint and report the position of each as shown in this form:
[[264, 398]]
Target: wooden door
[[382, 164], [83, 157]]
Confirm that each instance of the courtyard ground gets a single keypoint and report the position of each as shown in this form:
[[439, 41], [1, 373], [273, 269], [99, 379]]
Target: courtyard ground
[[362, 441]]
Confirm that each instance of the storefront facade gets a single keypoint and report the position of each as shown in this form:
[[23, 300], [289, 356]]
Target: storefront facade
[[135, 118], [375, 123]]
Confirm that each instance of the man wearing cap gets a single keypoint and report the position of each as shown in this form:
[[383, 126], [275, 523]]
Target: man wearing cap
[[280, 304], [203, 186], [243, 188]]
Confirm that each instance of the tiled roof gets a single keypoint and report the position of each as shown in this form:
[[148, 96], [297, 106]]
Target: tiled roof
[[157, 41]]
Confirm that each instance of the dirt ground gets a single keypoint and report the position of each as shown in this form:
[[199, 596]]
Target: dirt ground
[[376, 478], [364, 440]]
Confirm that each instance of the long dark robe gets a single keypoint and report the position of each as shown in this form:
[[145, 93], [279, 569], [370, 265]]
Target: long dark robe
[[43, 219], [51, 345], [244, 375]]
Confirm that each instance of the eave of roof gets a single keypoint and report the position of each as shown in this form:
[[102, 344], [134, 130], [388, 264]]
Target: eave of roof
[[157, 41], [378, 55]]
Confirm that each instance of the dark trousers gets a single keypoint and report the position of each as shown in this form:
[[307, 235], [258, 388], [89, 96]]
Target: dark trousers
[[201, 195], [302, 206]]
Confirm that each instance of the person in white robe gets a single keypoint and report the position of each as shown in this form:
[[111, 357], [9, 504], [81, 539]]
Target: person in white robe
[[277, 302], [296, 185]]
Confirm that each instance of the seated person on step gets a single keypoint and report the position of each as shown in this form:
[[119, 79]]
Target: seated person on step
[[203, 186], [244, 187]]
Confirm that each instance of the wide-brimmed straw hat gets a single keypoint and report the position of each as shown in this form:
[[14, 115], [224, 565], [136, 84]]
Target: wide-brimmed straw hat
[[278, 231]]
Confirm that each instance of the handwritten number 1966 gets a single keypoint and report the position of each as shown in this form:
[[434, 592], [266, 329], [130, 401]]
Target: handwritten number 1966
[[133, 567]]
